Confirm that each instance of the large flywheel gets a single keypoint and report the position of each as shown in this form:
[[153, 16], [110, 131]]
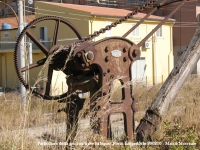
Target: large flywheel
[[49, 52]]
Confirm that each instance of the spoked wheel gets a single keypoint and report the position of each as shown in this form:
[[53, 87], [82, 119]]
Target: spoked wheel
[[47, 51]]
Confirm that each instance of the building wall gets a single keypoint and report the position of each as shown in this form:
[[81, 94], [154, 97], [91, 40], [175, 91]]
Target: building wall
[[9, 2], [6, 12], [78, 18], [8, 76], [185, 26]]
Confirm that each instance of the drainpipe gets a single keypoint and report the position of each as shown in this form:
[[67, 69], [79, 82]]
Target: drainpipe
[[154, 59], [171, 48], [6, 82]]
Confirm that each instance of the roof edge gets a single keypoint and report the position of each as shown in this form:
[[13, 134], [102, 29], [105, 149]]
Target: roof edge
[[138, 18]]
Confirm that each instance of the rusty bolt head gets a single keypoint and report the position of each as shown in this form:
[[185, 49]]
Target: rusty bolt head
[[112, 76], [107, 49], [125, 49], [134, 53], [108, 70], [107, 58], [125, 58], [90, 55]]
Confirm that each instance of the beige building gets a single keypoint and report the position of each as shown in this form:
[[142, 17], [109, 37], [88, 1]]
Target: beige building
[[157, 53]]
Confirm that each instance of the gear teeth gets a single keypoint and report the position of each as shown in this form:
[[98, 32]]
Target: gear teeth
[[16, 50]]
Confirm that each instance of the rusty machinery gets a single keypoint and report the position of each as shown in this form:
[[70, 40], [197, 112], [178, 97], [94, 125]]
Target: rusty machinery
[[92, 67]]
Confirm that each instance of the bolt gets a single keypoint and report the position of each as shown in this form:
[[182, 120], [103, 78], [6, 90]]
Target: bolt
[[90, 55], [134, 53], [125, 59], [107, 58], [112, 76], [108, 70], [107, 49], [125, 49]]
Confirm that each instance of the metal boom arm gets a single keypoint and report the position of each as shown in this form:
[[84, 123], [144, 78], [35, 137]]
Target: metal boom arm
[[169, 90]]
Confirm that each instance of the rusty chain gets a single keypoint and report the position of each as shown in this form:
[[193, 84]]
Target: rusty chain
[[119, 21]]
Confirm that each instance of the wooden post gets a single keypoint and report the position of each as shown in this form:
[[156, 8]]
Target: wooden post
[[169, 90]]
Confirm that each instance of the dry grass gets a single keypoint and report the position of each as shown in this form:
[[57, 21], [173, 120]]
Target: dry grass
[[183, 116], [37, 113], [14, 118]]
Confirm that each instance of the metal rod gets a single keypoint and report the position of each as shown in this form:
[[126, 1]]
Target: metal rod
[[21, 51], [55, 36], [37, 42], [142, 20], [160, 24]]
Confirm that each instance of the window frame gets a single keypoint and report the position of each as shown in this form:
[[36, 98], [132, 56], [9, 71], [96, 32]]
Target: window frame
[[159, 33], [136, 31], [14, 3], [8, 33], [44, 41]]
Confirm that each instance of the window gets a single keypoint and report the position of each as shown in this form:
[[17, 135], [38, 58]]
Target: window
[[159, 33], [108, 32], [42, 33], [6, 34], [136, 31], [14, 3], [43, 36], [129, 2]]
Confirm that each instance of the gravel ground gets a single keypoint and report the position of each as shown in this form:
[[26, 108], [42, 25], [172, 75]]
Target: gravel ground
[[56, 132]]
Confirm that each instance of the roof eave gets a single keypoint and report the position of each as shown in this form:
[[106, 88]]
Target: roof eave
[[138, 18], [8, 29]]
